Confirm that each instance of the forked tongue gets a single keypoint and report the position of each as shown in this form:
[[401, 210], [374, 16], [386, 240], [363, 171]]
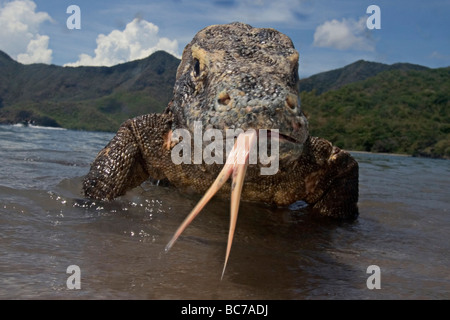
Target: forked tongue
[[236, 165]]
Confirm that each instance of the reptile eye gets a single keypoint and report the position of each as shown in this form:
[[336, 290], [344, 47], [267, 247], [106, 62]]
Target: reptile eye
[[196, 67]]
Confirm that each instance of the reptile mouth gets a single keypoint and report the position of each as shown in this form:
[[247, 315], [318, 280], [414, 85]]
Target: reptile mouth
[[282, 137], [288, 138], [235, 166], [289, 148]]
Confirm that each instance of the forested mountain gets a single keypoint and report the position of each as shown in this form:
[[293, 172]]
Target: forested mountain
[[367, 106], [88, 98], [357, 71], [397, 111]]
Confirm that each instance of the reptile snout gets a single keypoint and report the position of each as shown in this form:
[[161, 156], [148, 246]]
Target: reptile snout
[[225, 100], [273, 107]]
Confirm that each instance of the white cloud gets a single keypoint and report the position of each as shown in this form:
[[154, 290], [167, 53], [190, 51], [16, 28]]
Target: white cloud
[[37, 51], [19, 32], [138, 40], [343, 35]]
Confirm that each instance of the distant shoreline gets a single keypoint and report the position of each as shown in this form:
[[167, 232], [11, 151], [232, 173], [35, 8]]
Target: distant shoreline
[[350, 151], [398, 155], [383, 153]]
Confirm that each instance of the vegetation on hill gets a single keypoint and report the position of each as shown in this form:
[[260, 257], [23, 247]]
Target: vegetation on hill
[[366, 106], [86, 98], [395, 112], [357, 71]]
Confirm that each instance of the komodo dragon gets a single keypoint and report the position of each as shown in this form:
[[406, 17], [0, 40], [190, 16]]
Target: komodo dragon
[[232, 76]]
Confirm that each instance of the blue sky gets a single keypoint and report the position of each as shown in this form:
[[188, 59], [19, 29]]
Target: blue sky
[[329, 34]]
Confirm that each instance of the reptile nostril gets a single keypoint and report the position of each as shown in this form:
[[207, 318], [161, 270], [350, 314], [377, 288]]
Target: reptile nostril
[[224, 98], [291, 101]]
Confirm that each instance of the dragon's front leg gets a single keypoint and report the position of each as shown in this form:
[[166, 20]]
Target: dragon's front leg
[[332, 186], [128, 159]]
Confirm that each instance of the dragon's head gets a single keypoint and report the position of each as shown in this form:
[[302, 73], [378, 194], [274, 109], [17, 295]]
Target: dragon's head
[[236, 76]]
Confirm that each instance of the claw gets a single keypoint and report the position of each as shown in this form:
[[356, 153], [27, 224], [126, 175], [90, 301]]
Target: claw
[[236, 164]]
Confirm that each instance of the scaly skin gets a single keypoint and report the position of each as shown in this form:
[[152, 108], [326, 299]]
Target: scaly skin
[[232, 76]]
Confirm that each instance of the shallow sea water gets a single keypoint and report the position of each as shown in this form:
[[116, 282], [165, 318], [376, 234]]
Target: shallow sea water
[[278, 253]]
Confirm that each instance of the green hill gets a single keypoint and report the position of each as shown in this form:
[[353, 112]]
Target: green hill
[[88, 98], [366, 106], [357, 71], [395, 111]]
